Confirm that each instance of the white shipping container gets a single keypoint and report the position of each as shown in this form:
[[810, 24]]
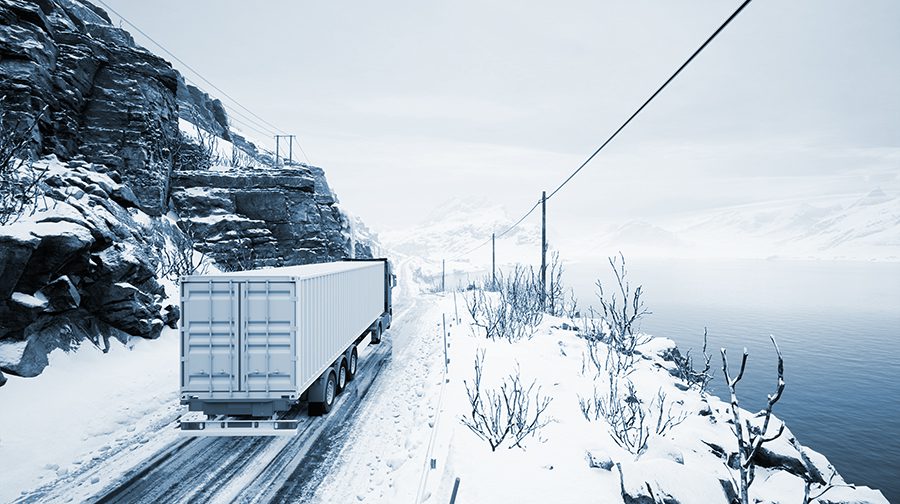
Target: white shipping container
[[254, 336]]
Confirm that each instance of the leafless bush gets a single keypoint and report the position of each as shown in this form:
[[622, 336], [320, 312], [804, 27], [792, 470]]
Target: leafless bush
[[560, 302], [511, 413], [243, 259], [684, 368], [200, 152], [514, 311], [622, 310], [620, 407], [19, 180], [178, 257], [239, 158], [631, 422], [208, 143], [821, 489], [749, 444]]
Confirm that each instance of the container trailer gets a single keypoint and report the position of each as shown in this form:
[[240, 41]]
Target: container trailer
[[256, 343]]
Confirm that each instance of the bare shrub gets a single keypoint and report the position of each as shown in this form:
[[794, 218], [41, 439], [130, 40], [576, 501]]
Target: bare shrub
[[19, 179], [622, 310], [751, 437], [692, 377], [209, 149], [511, 413], [239, 158], [813, 491], [178, 257], [560, 302], [514, 311], [200, 152], [631, 422]]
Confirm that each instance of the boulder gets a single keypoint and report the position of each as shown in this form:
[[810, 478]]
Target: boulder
[[26, 358], [123, 262], [170, 316], [61, 295], [62, 243], [598, 459], [125, 307], [858, 495], [16, 247], [663, 481], [2, 379]]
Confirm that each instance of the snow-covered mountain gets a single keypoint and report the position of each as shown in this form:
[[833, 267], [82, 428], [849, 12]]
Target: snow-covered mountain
[[860, 227], [458, 225]]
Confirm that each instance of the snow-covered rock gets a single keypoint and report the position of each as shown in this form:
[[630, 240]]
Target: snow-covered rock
[[76, 269]]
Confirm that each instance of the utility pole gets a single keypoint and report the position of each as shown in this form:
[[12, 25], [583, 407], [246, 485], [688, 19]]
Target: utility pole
[[493, 261], [543, 248], [277, 151], [290, 139], [443, 271]]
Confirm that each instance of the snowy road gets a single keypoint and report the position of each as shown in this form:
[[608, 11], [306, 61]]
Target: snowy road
[[379, 409], [215, 469]]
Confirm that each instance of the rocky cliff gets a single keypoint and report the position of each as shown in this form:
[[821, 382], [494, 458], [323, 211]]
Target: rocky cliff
[[122, 178]]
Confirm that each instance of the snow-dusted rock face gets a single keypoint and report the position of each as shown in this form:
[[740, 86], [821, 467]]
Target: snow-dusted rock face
[[106, 98], [79, 268], [256, 218], [111, 124]]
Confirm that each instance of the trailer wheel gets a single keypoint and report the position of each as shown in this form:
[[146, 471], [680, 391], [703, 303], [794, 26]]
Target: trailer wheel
[[376, 334], [352, 364], [321, 408], [342, 376]]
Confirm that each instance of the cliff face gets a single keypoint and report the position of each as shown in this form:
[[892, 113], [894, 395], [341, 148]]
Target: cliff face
[[94, 92], [256, 218], [112, 129]]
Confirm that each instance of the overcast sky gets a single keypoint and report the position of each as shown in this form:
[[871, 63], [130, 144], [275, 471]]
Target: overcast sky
[[408, 104]]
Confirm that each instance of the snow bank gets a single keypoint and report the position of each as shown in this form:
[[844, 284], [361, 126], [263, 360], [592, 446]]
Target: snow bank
[[410, 431], [85, 406]]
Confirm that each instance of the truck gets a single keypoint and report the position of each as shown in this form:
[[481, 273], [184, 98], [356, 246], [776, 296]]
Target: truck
[[256, 343]]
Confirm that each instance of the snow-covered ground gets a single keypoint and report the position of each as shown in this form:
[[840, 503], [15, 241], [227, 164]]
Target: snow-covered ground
[[413, 416], [84, 407]]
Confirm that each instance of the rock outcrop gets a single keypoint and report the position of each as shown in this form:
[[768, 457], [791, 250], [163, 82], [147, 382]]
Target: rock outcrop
[[257, 218], [77, 271], [92, 91], [113, 123]]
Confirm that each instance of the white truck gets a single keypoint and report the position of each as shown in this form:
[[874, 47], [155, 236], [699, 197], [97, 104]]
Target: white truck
[[256, 343]]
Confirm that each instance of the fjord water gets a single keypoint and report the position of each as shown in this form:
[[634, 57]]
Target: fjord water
[[838, 327]]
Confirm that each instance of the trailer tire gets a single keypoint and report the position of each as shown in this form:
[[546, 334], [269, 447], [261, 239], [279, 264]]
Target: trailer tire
[[321, 408], [376, 334], [352, 364], [342, 377]]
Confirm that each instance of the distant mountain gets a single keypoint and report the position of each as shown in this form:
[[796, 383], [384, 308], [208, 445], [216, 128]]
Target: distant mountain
[[862, 228], [458, 225]]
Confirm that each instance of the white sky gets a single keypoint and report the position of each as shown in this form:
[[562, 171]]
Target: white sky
[[408, 104]]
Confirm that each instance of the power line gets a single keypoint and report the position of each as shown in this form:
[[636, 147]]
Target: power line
[[498, 235], [176, 58], [638, 111], [608, 140], [294, 139]]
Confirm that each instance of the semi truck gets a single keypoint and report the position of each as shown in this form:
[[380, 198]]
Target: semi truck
[[256, 343]]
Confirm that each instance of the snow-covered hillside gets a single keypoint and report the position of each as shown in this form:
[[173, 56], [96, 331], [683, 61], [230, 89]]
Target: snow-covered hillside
[[857, 227], [410, 443], [456, 226]]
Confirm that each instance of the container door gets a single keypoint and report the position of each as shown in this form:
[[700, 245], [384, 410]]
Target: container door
[[209, 332], [268, 338]]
